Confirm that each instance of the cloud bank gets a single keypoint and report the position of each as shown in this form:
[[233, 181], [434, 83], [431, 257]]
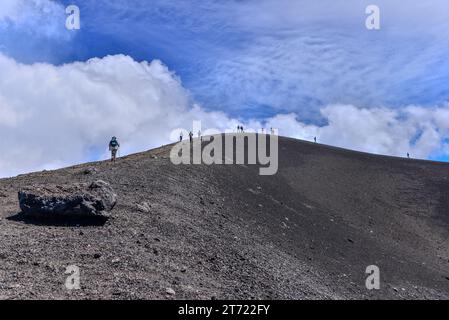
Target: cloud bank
[[53, 116], [41, 18], [290, 56], [34, 30], [59, 115], [422, 132]]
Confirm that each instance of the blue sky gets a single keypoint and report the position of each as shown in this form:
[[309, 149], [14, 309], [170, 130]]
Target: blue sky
[[263, 57], [255, 60]]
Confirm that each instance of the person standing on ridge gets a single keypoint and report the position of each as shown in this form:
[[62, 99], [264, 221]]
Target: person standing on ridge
[[314, 138], [180, 137], [191, 136], [113, 147]]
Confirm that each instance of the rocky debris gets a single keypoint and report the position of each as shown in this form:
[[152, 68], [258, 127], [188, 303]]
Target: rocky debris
[[170, 291], [88, 171], [144, 207], [96, 199]]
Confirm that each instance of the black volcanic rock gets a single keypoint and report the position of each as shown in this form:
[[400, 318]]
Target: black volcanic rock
[[82, 199]]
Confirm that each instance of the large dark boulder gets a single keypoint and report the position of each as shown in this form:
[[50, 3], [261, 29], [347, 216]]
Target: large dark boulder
[[96, 199]]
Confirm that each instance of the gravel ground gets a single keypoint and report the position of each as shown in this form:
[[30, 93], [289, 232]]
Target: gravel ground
[[225, 232]]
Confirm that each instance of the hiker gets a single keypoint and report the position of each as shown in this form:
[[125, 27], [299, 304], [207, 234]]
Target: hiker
[[408, 155], [113, 147], [314, 138], [191, 136], [180, 137], [241, 128], [238, 128]]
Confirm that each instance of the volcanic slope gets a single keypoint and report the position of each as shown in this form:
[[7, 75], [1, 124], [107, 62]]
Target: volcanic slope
[[226, 232]]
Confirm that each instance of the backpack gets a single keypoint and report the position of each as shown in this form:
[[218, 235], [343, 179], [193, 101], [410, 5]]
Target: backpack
[[114, 143]]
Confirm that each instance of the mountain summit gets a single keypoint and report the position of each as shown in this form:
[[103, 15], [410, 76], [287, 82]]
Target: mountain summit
[[223, 231]]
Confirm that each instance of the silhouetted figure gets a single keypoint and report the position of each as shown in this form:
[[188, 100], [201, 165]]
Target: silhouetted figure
[[191, 136], [408, 155], [241, 128], [314, 138], [113, 147], [180, 137], [238, 128]]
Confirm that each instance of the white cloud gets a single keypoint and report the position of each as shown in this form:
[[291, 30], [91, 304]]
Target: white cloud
[[285, 55], [43, 18], [9, 9], [300, 55], [52, 116], [416, 130]]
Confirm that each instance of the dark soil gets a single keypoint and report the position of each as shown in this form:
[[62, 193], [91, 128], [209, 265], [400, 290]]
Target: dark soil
[[225, 232]]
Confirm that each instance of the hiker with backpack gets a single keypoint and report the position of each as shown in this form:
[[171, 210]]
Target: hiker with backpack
[[113, 147], [191, 136]]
